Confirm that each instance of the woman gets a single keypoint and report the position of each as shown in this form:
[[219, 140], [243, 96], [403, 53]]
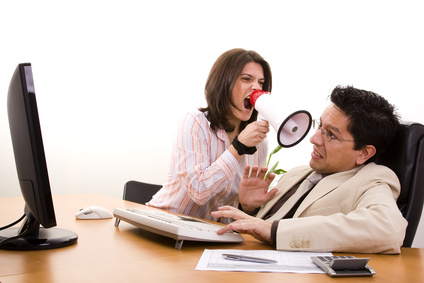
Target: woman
[[214, 144]]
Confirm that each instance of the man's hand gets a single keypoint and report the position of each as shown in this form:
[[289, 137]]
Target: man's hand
[[253, 191], [258, 228]]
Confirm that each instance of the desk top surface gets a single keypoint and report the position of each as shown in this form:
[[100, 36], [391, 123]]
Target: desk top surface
[[106, 253]]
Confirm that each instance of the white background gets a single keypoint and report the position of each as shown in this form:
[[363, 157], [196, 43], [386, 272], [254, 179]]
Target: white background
[[113, 78]]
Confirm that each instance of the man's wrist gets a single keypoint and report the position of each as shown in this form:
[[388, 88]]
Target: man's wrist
[[274, 229], [251, 212]]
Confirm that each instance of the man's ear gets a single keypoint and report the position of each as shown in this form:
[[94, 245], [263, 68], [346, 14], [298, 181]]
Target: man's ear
[[367, 152]]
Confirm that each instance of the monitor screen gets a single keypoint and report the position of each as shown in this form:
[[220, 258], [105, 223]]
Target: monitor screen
[[32, 172]]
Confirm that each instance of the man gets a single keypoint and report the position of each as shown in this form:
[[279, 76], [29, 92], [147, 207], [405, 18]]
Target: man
[[352, 208]]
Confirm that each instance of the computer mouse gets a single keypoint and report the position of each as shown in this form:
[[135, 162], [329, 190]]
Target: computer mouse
[[93, 212]]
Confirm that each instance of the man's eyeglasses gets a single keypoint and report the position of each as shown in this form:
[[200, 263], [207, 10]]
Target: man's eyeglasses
[[326, 135]]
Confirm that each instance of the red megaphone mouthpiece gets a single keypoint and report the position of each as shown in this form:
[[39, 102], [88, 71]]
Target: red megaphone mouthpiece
[[256, 94]]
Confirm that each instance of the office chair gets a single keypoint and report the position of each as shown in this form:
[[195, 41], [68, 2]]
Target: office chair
[[139, 192], [405, 156]]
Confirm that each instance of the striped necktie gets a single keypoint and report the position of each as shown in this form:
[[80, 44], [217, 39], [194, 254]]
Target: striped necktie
[[304, 188]]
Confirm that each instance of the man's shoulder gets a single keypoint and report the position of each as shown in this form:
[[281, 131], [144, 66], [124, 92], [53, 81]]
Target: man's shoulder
[[298, 172], [371, 170], [376, 170], [300, 169]]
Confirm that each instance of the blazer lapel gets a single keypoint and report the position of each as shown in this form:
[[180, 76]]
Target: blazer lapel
[[284, 184], [326, 185]]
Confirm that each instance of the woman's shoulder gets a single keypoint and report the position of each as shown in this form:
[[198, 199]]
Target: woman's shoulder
[[194, 119], [195, 115]]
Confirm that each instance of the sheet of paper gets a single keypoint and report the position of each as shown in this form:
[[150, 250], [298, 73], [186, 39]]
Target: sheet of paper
[[295, 262]]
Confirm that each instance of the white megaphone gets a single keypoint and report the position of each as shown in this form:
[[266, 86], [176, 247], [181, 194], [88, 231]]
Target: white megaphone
[[291, 129]]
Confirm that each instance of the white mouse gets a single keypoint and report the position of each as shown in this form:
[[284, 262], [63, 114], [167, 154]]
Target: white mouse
[[93, 212]]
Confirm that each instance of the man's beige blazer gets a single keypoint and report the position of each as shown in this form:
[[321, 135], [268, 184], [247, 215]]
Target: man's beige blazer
[[351, 211]]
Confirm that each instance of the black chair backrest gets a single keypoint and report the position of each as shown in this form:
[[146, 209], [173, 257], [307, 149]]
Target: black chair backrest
[[405, 156], [140, 192]]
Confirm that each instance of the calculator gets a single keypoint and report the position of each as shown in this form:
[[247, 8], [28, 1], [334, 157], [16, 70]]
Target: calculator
[[338, 266]]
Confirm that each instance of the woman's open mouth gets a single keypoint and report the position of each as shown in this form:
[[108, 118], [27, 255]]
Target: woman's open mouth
[[247, 103]]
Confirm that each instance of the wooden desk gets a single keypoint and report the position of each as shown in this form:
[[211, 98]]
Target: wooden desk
[[105, 253]]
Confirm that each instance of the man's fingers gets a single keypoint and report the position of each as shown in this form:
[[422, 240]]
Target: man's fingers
[[262, 172], [254, 171], [246, 172], [271, 193], [270, 178]]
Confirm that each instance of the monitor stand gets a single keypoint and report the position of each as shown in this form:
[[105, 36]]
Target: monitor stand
[[30, 236]]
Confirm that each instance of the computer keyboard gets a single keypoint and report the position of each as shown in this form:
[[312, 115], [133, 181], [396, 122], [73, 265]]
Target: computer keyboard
[[177, 227]]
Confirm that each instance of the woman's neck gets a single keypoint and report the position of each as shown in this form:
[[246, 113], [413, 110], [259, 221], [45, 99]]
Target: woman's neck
[[231, 135]]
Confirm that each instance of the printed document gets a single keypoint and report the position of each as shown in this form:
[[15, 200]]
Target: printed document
[[294, 262]]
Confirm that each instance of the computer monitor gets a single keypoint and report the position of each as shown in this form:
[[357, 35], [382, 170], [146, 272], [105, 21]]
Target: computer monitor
[[32, 172]]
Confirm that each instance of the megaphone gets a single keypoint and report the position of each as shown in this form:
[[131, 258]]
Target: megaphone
[[292, 129]]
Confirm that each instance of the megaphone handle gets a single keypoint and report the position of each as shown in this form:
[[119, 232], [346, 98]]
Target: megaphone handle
[[261, 118]]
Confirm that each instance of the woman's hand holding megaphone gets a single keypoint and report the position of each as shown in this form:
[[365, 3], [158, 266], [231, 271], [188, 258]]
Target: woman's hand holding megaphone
[[254, 133]]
